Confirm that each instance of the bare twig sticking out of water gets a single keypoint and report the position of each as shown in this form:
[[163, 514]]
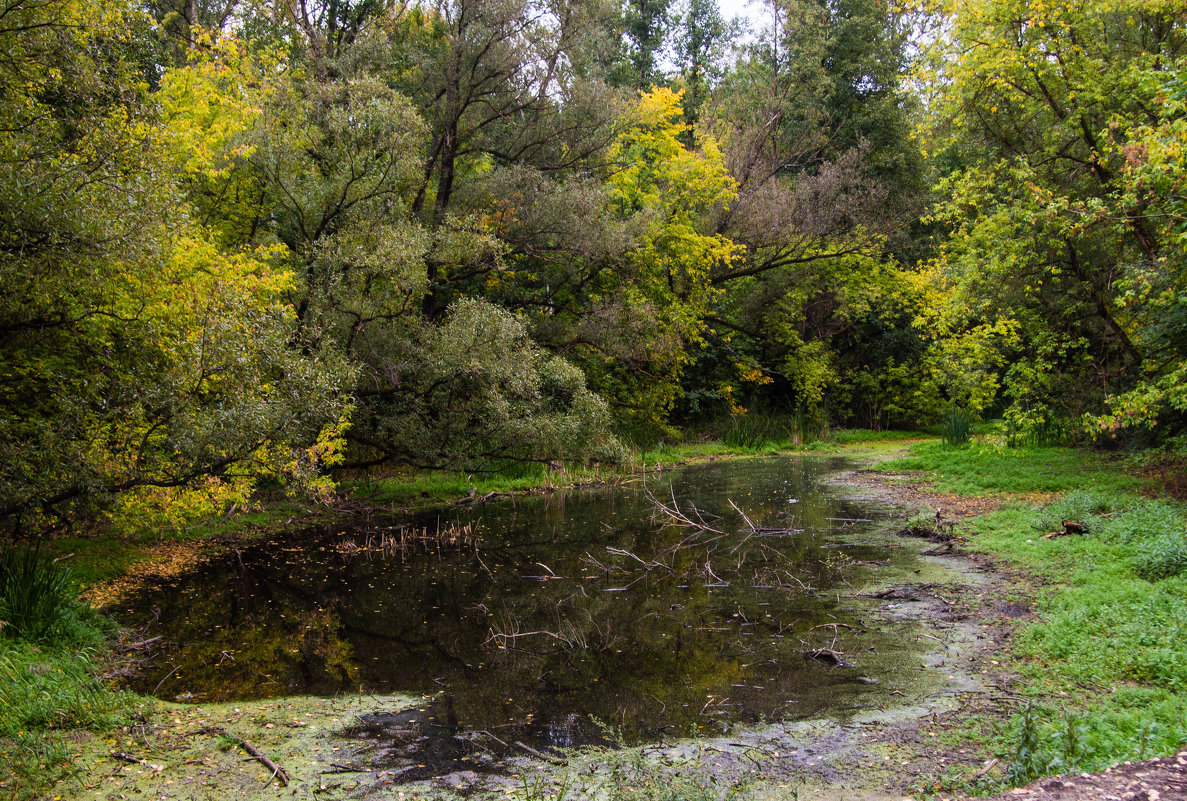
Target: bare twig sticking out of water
[[506, 633], [502, 638], [692, 519], [589, 559], [753, 528]]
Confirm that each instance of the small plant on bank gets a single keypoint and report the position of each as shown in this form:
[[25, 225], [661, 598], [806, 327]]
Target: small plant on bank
[[35, 594], [1027, 762], [957, 427], [540, 789]]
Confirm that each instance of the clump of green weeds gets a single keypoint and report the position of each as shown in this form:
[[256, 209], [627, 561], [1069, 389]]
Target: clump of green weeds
[[957, 427], [1045, 740], [1057, 745], [538, 788], [1080, 505], [1151, 534], [1162, 557], [1144, 519], [48, 678], [35, 594]]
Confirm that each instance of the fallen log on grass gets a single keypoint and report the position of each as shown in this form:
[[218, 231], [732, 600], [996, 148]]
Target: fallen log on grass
[[1069, 527]]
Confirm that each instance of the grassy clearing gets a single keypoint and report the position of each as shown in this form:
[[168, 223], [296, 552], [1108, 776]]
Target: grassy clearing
[[1105, 660], [983, 468]]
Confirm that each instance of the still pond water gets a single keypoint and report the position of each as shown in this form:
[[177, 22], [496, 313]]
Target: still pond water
[[553, 620]]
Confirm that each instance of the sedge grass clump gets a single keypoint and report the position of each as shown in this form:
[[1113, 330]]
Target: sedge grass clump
[[957, 427], [35, 594]]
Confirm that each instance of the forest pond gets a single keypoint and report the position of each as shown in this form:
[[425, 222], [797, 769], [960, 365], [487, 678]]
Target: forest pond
[[559, 620]]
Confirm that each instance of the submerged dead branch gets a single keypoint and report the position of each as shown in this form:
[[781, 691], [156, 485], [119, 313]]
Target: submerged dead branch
[[646, 564]]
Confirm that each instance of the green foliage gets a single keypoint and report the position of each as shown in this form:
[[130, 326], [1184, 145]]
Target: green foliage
[[1162, 557], [1112, 616], [1035, 425], [957, 428], [538, 788], [1047, 741], [45, 689], [755, 431], [845, 436], [48, 679], [54, 688], [1144, 519], [35, 595], [1050, 147], [139, 355], [1027, 762], [1080, 505], [476, 391]]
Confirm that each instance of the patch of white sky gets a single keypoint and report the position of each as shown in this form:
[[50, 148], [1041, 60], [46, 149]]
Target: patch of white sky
[[750, 12]]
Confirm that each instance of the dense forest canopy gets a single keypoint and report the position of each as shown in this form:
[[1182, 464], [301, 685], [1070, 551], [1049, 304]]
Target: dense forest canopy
[[245, 241]]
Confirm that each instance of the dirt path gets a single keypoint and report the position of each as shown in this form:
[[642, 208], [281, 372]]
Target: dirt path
[[1162, 779]]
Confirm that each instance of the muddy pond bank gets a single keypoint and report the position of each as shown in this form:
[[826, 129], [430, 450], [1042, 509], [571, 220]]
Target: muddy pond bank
[[759, 705]]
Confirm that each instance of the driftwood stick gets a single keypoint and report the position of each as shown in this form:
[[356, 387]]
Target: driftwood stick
[[278, 773], [539, 754]]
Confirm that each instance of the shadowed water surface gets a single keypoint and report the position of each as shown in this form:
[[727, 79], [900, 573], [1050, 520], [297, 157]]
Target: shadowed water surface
[[551, 621]]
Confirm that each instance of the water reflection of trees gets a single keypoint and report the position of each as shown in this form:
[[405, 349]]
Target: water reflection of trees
[[649, 629]]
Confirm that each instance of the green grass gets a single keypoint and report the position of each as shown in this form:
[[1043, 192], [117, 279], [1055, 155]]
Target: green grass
[[432, 487], [48, 679], [985, 469], [845, 436], [1105, 659]]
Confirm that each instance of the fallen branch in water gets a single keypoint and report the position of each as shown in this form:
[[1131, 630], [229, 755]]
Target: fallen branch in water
[[540, 754], [646, 564], [828, 656], [675, 515], [278, 773], [753, 528]]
